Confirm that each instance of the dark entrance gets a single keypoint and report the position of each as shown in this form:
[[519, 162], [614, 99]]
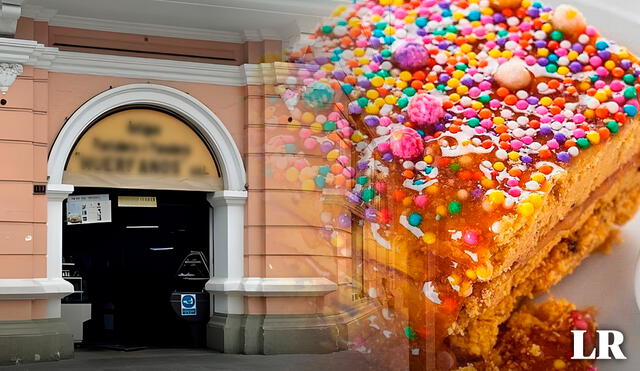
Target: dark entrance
[[131, 269]]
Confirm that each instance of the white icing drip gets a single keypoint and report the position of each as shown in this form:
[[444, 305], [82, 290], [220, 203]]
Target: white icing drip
[[459, 149], [473, 255], [455, 287], [415, 230], [539, 71], [503, 175], [486, 169], [386, 314], [384, 170], [375, 228], [430, 292]]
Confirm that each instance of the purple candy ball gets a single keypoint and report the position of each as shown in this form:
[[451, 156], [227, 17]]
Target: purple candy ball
[[326, 147], [354, 108], [545, 129], [411, 56], [564, 156], [370, 214], [371, 121], [344, 220]]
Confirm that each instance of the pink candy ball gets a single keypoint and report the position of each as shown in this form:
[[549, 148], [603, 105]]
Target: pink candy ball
[[420, 200], [381, 187], [425, 109], [471, 237], [406, 143], [309, 143]]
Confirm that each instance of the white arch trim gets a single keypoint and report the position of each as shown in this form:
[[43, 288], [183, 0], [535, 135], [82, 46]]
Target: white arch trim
[[206, 123], [228, 215]]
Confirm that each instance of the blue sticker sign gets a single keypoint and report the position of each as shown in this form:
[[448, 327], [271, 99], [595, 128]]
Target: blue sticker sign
[[188, 304]]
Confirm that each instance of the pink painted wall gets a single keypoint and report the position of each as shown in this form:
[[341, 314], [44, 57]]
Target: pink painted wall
[[67, 92], [282, 226]]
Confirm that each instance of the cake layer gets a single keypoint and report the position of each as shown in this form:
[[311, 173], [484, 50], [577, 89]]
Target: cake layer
[[562, 199], [519, 237], [590, 225]]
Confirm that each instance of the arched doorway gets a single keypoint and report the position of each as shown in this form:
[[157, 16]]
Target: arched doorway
[[227, 199]]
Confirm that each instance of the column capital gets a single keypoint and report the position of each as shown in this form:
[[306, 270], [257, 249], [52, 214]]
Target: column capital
[[9, 13], [58, 192], [8, 74], [227, 198]]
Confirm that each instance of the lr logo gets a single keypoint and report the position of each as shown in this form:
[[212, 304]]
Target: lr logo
[[606, 344]]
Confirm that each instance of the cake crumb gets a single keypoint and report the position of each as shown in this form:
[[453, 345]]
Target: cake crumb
[[535, 350]]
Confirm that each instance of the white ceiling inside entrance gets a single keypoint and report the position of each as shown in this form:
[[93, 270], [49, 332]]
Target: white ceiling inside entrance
[[223, 20]]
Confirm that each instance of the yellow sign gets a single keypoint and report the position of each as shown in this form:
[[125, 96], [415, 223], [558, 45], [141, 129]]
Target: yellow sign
[[137, 201], [142, 148]]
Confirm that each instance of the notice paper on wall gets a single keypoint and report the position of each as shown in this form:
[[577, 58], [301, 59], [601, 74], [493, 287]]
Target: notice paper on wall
[[88, 209]]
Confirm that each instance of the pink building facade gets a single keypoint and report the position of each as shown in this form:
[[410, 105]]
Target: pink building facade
[[276, 286]]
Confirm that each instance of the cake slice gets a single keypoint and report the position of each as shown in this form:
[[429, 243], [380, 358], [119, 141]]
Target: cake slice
[[535, 338], [489, 147]]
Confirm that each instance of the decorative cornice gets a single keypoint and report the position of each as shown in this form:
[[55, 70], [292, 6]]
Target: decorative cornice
[[28, 52], [259, 286], [59, 192], [226, 198], [147, 68]]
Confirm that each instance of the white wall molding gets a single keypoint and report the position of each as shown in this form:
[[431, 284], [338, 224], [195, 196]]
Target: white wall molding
[[259, 286], [28, 52], [147, 68], [34, 288]]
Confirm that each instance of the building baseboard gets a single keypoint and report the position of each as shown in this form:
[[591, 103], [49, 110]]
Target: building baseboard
[[284, 334], [35, 340]]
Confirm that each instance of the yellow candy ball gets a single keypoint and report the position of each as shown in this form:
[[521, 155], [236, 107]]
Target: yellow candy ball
[[429, 238], [525, 209], [308, 118], [333, 155], [291, 174]]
